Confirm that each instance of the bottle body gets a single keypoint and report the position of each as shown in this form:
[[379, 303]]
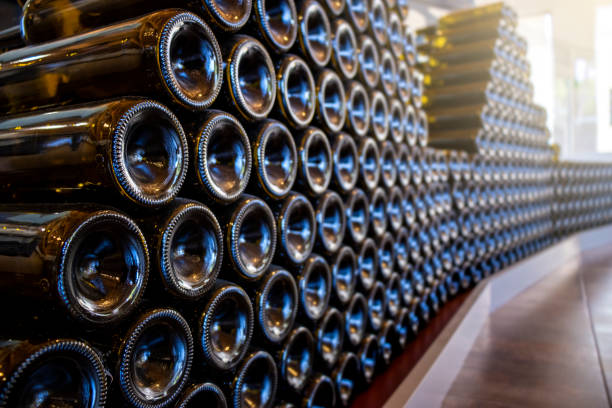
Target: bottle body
[[135, 148], [187, 241], [90, 260], [145, 52], [58, 371]]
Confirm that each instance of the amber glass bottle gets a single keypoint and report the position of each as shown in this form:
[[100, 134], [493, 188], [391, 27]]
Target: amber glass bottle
[[90, 261], [221, 157], [170, 52], [45, 20], [55, 373], [134, 148], [187, 243]]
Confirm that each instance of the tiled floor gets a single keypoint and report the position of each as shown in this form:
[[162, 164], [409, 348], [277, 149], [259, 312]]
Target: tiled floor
[[551, 346]]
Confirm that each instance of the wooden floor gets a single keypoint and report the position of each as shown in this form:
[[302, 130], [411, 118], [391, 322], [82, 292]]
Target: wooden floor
[[551, 346]]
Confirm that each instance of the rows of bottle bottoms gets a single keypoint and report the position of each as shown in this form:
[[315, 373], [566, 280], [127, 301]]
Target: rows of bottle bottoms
[[319, 233]]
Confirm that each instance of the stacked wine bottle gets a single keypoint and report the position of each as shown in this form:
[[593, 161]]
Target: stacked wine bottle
[[479, 101], [234, 203], [583, 192]]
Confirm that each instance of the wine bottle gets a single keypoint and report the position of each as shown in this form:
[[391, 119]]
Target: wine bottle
[[408, 207], [379, 22], [404, 82], [296, 359], [315, 162], [421, 206], [410, 49], [331, 222], [376, 306], [154, 359], [369, 164], [250, 78], [394, 209], [295, 91], [388, 73], [357, 216], [432, 300], [418, 282], [401, 250], [134, 148], [414, 247], [403, 8], [396, 121], [472, 93], [60, 372], [314, 34], [388, 342], [255, 382], [48, 20], [356, 11], [344, 271], [407, 290], [320, 392], [205, 394], [345, 161], [386, 256], [410, 126], [250, 234], [346, 376], [276, 303], [221, 157], [445, 37], [378, 212], [275, 159], [329, 337], [369, 72], [406, 326], [488, 48], [188, 245], [367, 265], [334, 8], [469, 72], [169, 52], [451, 285], [403, 166], [314, 284], [331, 101], [276, 22], [429, 271], [396, 35], [344, 49], [368, 357], [90, 261], [296, 225], [393, 292], [422, 128], [423, 310], [224, 326], [379, 115], [355, 320], [357, 109], [472, 15], [417, 89], [434, 237]]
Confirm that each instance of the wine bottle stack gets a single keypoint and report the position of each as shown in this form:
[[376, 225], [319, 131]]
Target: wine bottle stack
[[478, 93], [479, 99], [583, 196], [238, 203]]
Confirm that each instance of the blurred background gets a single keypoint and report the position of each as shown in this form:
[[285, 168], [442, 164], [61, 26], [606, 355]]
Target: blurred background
[[570, 49]]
